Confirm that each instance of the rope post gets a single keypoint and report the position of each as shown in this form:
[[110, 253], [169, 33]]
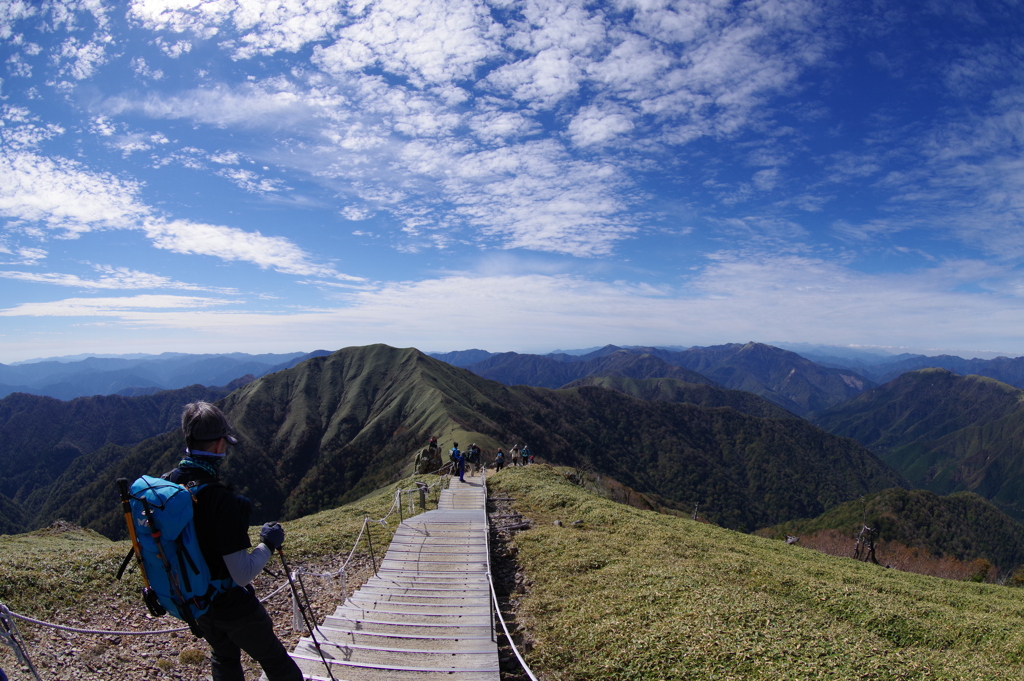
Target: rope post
[[369, 542], [398, 502], [422, 486], [297, 626]]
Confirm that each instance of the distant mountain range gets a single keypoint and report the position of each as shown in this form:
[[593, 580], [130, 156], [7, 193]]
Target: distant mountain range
[[336, 427], [65, 380], [785, 378], [944, 432], [721, 427]]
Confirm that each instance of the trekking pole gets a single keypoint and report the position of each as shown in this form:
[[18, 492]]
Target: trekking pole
[[149, 596], [10, 635], [302, 610]]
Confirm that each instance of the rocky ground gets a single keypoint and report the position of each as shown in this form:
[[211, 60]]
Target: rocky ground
[[66, 656], [510, 582]]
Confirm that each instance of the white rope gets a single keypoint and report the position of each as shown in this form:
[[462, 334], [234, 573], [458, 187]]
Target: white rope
[[494, 599], [99, 632], [104, 632]]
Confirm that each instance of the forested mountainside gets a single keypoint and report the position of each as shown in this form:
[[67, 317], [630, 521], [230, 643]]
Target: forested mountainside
[[511, 368], [41, 436], [1006, 369], [962, 525], [920, 405], [334, 428], [675, 390], [944, 432], [785, 378]]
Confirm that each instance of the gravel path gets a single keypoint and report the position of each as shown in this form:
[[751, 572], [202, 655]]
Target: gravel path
[[65, 656]]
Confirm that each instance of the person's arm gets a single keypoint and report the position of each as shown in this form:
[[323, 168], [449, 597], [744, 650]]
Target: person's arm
[[244, 566]]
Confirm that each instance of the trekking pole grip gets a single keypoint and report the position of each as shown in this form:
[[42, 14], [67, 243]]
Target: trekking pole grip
[[122, 488]]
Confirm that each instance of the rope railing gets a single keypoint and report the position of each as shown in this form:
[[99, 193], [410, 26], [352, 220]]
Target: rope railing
[[10, 635], [494, 599], [342, 573]]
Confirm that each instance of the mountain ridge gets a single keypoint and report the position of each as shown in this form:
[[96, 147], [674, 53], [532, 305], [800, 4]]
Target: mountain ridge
[[337, 427]]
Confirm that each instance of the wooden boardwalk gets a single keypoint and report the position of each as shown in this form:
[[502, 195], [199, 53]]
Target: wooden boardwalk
[[427, 614]]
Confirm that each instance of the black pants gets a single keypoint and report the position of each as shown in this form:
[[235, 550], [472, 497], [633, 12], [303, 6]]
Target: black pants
[[237, 621]]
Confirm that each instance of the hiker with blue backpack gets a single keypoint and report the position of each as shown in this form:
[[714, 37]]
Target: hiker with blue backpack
[[235, 620], [459, 459]]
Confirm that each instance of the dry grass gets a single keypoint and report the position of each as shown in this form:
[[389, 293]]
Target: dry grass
[[637, 595], [905, 558]]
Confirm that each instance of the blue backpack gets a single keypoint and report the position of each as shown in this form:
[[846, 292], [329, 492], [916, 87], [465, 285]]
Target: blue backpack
[[161, 512]]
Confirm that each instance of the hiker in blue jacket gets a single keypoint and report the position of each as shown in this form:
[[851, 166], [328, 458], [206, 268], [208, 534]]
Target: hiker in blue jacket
[[236, 620], [459, 460]]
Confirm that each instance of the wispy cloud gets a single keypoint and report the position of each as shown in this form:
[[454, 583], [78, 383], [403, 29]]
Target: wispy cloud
[[70, 200], [112, 278], [123, 307], [791, 297]]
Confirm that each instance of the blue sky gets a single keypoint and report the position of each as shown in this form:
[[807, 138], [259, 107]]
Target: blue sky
[[233, 175]]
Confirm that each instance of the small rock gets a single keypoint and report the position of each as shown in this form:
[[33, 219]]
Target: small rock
[[558, 523]]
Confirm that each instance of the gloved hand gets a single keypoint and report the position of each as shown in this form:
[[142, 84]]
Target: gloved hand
[[272, 534]]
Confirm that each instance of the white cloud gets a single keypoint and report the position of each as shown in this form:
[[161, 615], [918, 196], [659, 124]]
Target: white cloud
[[251, 182], [498, 126], [102, 126], [356, 214], [81, 60], [114, 278], [594, 126], [228, 158], [64, 196], [124, 307], [542, 80], [731, 299], [536, 197], [430, 42], [71, 200], [273, 104], [233, 244], [143, 70], [16, 66], [175, 49], [12, 12]]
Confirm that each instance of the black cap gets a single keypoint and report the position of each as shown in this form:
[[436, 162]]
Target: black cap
[[201, 421]]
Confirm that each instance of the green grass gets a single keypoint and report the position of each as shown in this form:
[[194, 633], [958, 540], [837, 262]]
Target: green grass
[[63, 571], [633, 594]]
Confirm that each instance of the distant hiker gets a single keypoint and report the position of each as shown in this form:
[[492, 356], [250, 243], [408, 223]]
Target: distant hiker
[[236, 620], [456, 457], [473, 459], [499, 460], [515, 454], [527, 455]]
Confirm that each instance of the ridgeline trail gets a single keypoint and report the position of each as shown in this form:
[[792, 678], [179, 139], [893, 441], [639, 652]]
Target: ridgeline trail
[[427, 614]]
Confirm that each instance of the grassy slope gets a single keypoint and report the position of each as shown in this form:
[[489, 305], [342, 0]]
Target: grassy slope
[[637, 595]]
